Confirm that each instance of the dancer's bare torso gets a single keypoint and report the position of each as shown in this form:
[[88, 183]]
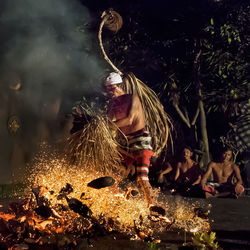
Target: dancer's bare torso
[[127, 113]]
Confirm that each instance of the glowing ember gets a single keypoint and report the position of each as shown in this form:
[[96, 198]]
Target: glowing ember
[[110, 202], [7, 216], [60, 202], [106, 201]]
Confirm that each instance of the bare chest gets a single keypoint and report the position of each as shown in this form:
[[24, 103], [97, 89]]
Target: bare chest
[[120, 106], [223, 171]]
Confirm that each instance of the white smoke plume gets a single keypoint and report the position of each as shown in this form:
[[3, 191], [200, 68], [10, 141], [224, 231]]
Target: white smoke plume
[[49, 59]]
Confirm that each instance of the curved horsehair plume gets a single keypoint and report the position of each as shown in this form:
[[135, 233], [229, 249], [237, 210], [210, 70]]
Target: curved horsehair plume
[[158, 122], [112, 21]]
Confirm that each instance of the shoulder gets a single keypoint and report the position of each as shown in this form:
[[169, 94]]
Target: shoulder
[[212, 164], [127, 98], [135, 101], [234, 166], [134, 97]]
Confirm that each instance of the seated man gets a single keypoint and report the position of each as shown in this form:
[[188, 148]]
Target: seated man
[[188, 174], [224, 173]]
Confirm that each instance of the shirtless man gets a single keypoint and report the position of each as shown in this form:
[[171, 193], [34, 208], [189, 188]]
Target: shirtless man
[[188, 173], [223, 174], [126, 112]]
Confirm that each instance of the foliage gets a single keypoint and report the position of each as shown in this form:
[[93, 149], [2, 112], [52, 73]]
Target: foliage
[[159, 46], [153, 246], [225, 59], [224, 36], [204, 241]]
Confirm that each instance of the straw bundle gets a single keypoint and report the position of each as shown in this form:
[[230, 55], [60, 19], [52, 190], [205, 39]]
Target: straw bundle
[[94, 147]]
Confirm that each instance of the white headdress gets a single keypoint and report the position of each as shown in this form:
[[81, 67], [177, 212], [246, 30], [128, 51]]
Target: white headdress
[[113, 78]]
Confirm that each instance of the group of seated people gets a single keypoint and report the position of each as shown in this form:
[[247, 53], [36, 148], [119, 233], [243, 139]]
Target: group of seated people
[[188, 179]]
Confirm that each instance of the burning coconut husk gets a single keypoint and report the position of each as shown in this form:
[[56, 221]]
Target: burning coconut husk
[[101, 182]]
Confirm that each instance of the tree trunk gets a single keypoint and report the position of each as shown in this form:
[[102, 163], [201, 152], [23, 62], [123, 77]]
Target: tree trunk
[[203, 123]]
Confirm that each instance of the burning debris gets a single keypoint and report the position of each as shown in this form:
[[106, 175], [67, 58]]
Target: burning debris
[[78, 207], [66, 205], [65, 191], [156, 210], [101, 182], [35, 220]]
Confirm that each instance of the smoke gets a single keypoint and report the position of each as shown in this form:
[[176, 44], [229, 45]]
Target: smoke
[[49, 59], [48, 43]]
